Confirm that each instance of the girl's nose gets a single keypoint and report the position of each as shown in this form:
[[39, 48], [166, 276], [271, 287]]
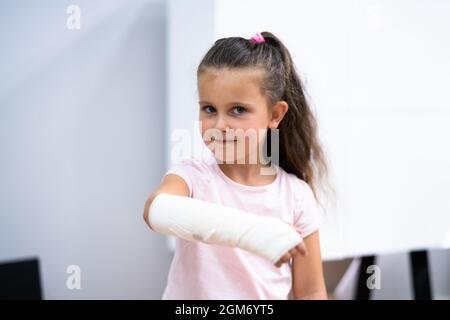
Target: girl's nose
[[222, 125]]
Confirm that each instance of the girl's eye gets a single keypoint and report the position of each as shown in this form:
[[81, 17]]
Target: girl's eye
[[238, 110], [241, 110], [206, 109]]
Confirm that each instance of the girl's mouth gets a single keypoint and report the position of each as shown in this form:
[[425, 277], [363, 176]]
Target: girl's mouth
[[222, 140]]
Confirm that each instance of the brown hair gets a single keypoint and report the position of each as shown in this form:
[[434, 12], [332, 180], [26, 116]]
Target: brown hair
[[300, 151]]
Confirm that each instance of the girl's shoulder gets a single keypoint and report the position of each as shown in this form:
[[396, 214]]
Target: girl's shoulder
[[194, 171], [294, 180], [301, 189], [192, 165]]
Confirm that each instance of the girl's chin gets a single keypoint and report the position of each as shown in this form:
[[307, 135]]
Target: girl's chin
[[227, 159], [219, 150]]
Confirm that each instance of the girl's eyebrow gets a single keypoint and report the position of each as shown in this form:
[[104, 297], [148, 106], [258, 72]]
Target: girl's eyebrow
[[231, 103]]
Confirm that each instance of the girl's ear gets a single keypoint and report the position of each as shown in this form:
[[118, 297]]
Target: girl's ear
[[278, 111]]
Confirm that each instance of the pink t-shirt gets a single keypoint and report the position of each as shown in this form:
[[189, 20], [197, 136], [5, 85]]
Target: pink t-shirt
[[204, 271]]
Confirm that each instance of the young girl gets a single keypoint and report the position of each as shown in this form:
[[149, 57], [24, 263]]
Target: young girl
[[246, 84]]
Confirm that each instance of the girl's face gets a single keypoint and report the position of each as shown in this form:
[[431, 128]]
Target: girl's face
[[234, 114]]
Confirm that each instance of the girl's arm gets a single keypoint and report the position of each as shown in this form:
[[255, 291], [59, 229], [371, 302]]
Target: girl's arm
[[307, 273], [228, 231]]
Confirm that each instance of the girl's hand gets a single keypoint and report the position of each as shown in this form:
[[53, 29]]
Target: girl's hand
[[298, 249]]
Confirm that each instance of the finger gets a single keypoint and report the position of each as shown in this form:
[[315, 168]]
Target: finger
[[293, 251], [286, 257], [301, 248], [306, 249], [281, 261]]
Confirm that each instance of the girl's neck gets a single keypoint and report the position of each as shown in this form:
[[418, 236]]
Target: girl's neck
[[248, 174]]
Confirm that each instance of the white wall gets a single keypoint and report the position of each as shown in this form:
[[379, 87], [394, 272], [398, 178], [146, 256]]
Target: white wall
[[82, 143]]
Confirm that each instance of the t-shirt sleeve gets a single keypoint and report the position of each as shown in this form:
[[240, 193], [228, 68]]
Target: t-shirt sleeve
[[186, 170], [307, 217]]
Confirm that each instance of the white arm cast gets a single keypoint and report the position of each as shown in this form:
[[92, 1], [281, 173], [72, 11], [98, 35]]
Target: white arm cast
[[195, 219]]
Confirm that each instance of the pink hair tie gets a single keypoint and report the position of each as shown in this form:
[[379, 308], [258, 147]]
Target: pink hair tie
[[258, 38]]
